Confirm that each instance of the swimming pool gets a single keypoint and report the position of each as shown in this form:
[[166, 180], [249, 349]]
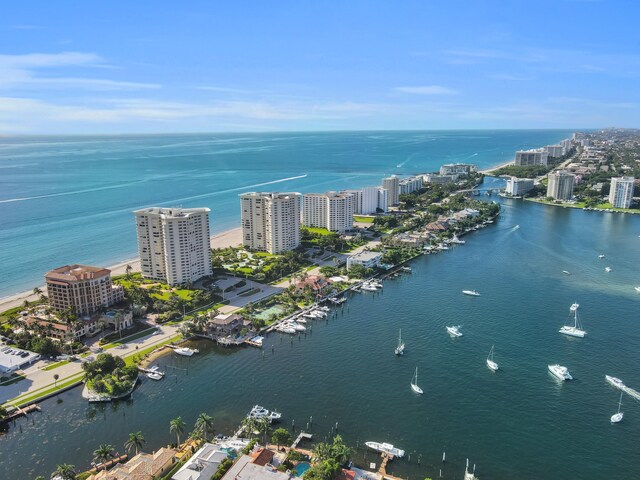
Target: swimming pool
[[302, 467]]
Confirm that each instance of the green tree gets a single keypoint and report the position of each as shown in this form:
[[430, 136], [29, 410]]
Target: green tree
[[65, 472], [250, 425], [204, 425], [281, 437], [55, 378], [103, 453], [176, 426], [135, 442]]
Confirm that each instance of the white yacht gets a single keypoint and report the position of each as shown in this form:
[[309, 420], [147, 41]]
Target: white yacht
[[376, 283], [560, 372], [574, 330], [456, 240], [400, 348], [607, 269], [473, 293], [490, 363], [274, 416], [155, 375], [566, 272], [298, 327], [385, 448], [615, 382], [368, 287], [184, 351], [300, 320], [414, 383], [258, 411], [617, 417], [600, 256], [454, 331]]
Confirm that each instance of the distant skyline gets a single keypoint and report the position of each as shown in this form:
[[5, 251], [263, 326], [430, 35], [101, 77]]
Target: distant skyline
[[152, 67]]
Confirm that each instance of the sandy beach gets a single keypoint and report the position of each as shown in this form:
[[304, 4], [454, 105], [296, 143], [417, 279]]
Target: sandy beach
[[228, 238], [488, 171]]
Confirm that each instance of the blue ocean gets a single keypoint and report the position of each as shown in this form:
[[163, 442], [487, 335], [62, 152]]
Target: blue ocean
[[68, 199]]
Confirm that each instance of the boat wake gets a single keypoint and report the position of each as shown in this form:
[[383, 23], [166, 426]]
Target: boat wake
[[74, 192]]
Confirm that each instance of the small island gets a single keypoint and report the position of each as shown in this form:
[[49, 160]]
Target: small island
[[108, 378]]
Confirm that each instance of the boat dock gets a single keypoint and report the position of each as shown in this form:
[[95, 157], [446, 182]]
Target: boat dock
[[19, 412], [109, 464], [302, 436], [382, 471]]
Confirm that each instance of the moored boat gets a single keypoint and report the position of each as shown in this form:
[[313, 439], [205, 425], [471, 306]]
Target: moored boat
[[560, 372], [185, 352], [473, 293], [385, 448], [454, 331], [490, 362], [574, 330]]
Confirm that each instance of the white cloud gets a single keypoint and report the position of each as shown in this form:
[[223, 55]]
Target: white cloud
[[427, 90], [19, 72]]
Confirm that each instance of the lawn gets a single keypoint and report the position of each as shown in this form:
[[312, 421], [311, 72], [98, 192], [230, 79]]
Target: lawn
[[56, 365], [360, 219], [141, 334], [141, 353], [318, 230]]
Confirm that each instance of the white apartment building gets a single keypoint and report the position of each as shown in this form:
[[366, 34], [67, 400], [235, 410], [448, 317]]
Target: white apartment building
[[439, 179], [331, 210], [518, 186], [560, 186], [174, 244], [554, 150], [457, 169], [621, 192], [410, 185], [365, 200], [270, 221], [536, 156], [364, 258], [82, 288], [392, 185], [383, 199]]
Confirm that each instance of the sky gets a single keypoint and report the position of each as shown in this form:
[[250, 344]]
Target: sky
[[158, 66]]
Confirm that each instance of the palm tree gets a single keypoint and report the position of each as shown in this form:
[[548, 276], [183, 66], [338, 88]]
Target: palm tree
[[135, 442], [37, 291], [65, 472], [263, 426], [55, 379], [250, 425], [127, 271], [103, 453], [177, 426], [204, 425]]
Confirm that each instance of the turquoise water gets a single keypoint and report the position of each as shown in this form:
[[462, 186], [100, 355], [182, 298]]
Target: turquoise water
[[517, 423], [69, 199]]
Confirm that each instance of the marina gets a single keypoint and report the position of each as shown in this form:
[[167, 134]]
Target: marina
[[288, 369]]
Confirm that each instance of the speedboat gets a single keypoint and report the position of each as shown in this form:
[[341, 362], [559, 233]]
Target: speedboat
[[309, 315], [566, 272], [560, 372], [258, 411], [368, 287], [155, 375], [299, 328], [473, 293], [184, 351], [385, 448], [616, 382], [300, 320], [454, 331], [274, 416], [600, 256], [637, 289], [607, 269]]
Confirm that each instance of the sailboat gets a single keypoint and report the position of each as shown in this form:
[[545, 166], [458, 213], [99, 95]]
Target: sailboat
[[400, 347], [414, 383], [575, 330], [617, 417], [490, 363]]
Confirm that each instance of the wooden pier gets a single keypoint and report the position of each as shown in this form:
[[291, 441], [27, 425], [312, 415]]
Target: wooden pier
[[19, 412]]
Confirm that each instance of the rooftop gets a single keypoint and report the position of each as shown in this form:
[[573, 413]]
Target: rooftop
[[76, 273], [12, 359], [367, 255], [202, 465], [171, 212]]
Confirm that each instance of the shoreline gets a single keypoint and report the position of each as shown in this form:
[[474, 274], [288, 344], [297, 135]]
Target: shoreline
[[227, 238], [489, 171]]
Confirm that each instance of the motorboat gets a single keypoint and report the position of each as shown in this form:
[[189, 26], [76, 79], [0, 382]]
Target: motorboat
[[309, 315], [490, 362], [155, 375], [301, 320], [298, 328], [574, 330], [414, 383], [376, 283], [600, 256], [258, 411], [615, 382], [367, 287], [324, 308], [637, 289], [607, 269], [454, 331], [566, 272], [274, 416], [385, 448], [400, 348], [617, 417], [560, 372], [473, 293], [185, 352], [457, 241]]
